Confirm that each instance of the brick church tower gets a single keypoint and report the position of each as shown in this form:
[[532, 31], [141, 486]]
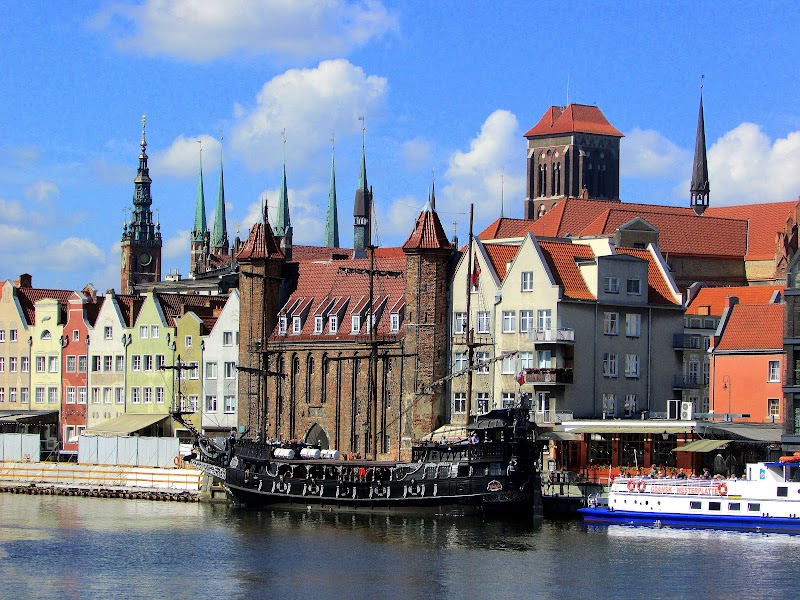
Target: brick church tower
[[573, 152], [428, 258], [141, 238], [261, 265]]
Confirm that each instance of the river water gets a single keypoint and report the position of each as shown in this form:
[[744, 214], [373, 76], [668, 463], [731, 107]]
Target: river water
[[69, 547]]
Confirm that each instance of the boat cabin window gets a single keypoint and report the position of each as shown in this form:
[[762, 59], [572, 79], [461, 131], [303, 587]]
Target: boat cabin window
[[734, 506], [463, 470], [496, 469], [694, 505], [783, 492], [754, 506], [715, 506], [793, 474]]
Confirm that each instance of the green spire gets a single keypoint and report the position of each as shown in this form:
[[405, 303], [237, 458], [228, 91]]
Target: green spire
[[332, 220], [283, 224], [200, 227], [362, 179], [219, 239]]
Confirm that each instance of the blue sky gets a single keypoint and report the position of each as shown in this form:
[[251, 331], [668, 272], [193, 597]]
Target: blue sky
[[446, 87]]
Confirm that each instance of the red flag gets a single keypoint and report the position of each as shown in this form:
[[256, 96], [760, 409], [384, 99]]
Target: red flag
[[476, 271], [521, 377]]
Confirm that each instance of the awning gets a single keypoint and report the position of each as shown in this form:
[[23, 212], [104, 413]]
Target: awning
[[124, 425], [702, 446], [449, 432], [560, 436], [32, 417], [628, 429]]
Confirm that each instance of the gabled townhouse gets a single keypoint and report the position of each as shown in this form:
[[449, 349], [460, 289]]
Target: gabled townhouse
[[582, 327], [190, 339], [220, 375], [82, 308]]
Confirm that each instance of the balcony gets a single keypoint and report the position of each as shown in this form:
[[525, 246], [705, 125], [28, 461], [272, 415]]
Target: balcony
[[548, 376], [682, 341], [551, 417], [552, 336], [687, 382]]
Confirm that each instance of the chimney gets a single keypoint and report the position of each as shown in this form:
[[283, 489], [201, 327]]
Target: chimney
[[25, 281], [733, 301]]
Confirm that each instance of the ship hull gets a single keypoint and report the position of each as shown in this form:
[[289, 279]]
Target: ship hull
[[603, 515]]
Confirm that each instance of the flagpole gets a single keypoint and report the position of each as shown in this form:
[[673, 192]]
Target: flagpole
[[467, 330]]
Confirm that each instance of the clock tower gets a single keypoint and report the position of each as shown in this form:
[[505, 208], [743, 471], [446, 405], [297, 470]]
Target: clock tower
[[141, 238]]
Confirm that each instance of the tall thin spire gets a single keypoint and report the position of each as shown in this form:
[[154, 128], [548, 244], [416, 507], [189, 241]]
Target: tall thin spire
[[332, 218], [362, 208], [141, 228], [219, 239], [433, 190], [200, 227], [699, 189], [283, 222]]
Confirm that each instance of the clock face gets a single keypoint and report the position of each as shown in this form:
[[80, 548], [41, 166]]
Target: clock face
[[145, 259]]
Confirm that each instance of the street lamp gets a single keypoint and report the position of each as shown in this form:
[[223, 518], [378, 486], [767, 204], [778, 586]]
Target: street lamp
[[728, 385]]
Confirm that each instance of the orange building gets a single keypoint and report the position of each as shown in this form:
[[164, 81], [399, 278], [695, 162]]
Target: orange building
[[747, 361]]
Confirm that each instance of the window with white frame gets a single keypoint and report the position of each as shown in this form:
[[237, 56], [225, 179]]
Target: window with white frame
[[40, 364], [24, 395], [774, 407], [46, 335], [508, 366], [154, 331], [630, 404], [211, 404], [12, 395], [108, 332], [194, 402], [52, 394], [12, 364], [282, 325], [71, 395], [394, 322], [545, 359], [108, 395], [509, 400], [609, 364], [634, 287], [159, 395], [459, 322], [147, 359], [459, 403], [52, 364], [544, 319], [509, 321], [632, 365], [774, 370], [230, 370], [12, 335], [82, 360], [227, 338], [136, 362], [525, 360], [355, 323], [187, 341], [119, 395], [97, 363], [484, 321], [611, 323], [95, 395], [526, 281], [2, 364], [526, 321], [611, 285], [2, 335], [483, 402], [194, 370], [459, 361], [119, 363], [39, 394], [319, 322], [230, 405], [144, 332], [82, 391], [297, 325], [75, 335], [482, 358], [2, 394], [135, 395], [610, 404], [333, 324], [633, 324], [211, 370], [108, 363], [160, 361]]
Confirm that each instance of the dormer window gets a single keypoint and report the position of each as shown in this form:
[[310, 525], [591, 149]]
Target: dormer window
[[319, 322], [612, 285], [282, 325], [394, 323], [635, 287], [356, 324], [297, 325], [333, 324]]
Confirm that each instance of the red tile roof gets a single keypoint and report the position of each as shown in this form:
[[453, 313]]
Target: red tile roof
[[175, 305], [659, 290], [500, 255], [714, 300], [428, 233], [129, 306], [28, 297], [575, 118], [766, 219], [560, 257], [261, 243], [753, 327], [301, 253], [318, 284]]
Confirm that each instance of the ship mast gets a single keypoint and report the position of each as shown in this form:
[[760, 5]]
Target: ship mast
[[468, 332], [373, 360]]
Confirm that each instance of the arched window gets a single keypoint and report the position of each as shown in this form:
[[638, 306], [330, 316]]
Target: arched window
[[326, 369], [46, 335], [309, 379]]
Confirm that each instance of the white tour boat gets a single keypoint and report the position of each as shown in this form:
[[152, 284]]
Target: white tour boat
[[767, 498]]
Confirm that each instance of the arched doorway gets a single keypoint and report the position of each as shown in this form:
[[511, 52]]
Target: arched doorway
[[316, 435]]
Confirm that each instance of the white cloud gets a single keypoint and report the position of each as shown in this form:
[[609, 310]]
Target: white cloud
[[12, 238], [647, 153], [307, 208], [746, 166], [70, 254], [12, 211], [201, 30], [182, 158], [396, 220], [310, 104], [176, 247], [417, 153], [42, 191], [491, 166]]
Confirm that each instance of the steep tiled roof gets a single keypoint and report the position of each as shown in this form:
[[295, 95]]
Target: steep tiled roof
[[766, 219], [28, 297], [323, 286], [301, 253], [506, 228], [560, 257], [753, 327], [260, 243], [500, 255], [575, 118], [714, 300], [174, 305], [129, 306], [658, 288], [428, 233]]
